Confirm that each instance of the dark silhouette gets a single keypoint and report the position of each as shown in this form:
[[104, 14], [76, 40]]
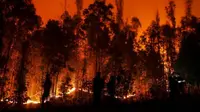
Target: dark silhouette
[[47, 87], [98, 85], [2, 59], [172, 87], [24, 20], [1, 30], [21, 80], [94, 32], [176, 85], [98, 31], [111, 87]]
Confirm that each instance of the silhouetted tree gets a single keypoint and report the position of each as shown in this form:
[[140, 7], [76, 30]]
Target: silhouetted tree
[[119, 6], [21, 20], [153, 48], [2, 59], [1, 29], [59, 43], [187, 62], [97, 17], [79, 5], [189, 21], [21, 82], [123, 56], [54, 48], [189, 58], [169, 32]]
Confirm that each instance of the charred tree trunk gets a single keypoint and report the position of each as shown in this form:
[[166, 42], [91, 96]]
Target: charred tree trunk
[[21, 84], [96, 62], [119, 5], [4, 62], [56, 84], [79, 5]]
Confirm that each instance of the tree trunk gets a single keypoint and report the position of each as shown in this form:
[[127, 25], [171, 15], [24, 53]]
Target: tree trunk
[[56, 84], [5, 66], [21, 84]]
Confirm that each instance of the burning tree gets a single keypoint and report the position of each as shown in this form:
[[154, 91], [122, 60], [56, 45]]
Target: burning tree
[[54, 46], [21, 20], [2, 78], [97, 19], [75, 42], [187, 62], [66, 86], [79, 5], [169, 32], [123, 56]]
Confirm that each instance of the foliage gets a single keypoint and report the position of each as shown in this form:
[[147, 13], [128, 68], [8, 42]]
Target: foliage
[[97, 16], [72, 43]]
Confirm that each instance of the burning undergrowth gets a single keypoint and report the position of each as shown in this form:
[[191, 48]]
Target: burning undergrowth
[[73, 49]]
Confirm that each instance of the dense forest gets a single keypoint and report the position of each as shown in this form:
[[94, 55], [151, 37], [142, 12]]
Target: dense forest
[[73, 48]]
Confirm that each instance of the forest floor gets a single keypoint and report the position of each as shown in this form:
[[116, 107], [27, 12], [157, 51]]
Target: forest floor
[[185, 105]]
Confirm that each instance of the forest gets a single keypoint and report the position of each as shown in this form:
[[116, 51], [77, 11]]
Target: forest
[[73, 48]]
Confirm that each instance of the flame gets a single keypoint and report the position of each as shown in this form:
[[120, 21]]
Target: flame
[[57, 96], [85, 90], [31, 102], [130, 95], [71, 90]]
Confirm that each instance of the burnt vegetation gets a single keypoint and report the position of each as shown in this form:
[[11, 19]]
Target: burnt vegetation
[[73, 49]]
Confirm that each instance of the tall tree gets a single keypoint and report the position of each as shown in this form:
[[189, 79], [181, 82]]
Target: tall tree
[[53, 50], [119, 6], [169, 32], [154, 51], [79, 6], [1, 29], [58, 45], [189, 21], [21, 20], [170, 10], [188, 58], [2, 59], [97, 17]]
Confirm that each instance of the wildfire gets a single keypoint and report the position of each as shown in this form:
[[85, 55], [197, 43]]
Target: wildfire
[[31, 102], [57, 96], [130, 95], [71, 90], [84, 90]]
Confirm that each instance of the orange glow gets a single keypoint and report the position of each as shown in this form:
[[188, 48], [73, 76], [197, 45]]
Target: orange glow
[[32, 102], [71, 90], [145, 10]]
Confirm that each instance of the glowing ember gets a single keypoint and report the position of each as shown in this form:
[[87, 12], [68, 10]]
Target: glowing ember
[[10, 102], [85, 90], [130, 95], [57, 96], [32, 102], [71, 90]]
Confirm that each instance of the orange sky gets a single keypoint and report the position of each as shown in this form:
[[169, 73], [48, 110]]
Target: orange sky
[[145, 10]]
